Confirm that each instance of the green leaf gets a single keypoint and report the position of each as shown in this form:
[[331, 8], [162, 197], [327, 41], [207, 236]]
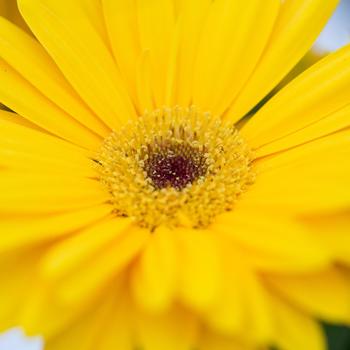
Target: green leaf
[[338, 337]]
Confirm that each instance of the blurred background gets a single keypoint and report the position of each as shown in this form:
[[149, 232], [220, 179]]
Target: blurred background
[[334, 36]]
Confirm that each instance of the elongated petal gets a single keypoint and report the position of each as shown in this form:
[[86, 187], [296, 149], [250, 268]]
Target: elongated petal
[[91, 275], [212, 341], [19, 161], [228, 314], [121, 22], [241, 307], [332, 230], [193, 14], [40, 194], [171, 73], [118, 331], [155, 275], [9, 10], [94, 10], [174, 330], [298, 25], [156, 19], [22, 150], [62, 320], [64, 257], [18, 270], [82, 56], [16, 135], [200, 268], [88, 328], [144, 89], [37, 67], [311, 107], [15, 118], [36, 318], [33, 105], [331, 123], [325, 294], [307, 179], [270, 243], [222, 69], [23, 231], [295, 330]]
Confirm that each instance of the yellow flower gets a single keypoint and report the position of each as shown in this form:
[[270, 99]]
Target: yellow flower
[[139, 210]]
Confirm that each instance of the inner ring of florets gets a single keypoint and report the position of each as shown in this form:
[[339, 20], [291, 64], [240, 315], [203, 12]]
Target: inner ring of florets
[[175, 167]]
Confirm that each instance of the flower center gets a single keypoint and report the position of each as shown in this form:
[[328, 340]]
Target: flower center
[[175, 167]]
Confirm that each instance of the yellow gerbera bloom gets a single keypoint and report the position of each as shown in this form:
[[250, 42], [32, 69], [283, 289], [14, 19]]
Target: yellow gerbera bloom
[[139, 210]]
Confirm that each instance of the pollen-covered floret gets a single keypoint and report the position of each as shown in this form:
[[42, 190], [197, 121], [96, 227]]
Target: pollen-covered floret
[[175, 167]]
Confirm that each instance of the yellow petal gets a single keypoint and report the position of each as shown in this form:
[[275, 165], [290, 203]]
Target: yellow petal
[[332, 123], [144, 84], [71, 44], [307, 179], [9, 9], [154, 280], [94, 10], [228, 313], [193, 14], [222, 69], [87, 330], [325, 294], [332, 230], [314, 97], [81, 335], [37, 318], [294, 329], [171, 73], [74, 251], [18, 154], [15, 118], [43, 194], [19, 95], [31, 163], [175, 330], [258, 312], [156, 19], [24, 231], [212, 341], [119, 329], [117, 332], [200, 276], [16, 272], [16, 135], [246, 299], [121, 21], [94, 273], [271, 243], [37, 67], [297, 26], [308, 156]]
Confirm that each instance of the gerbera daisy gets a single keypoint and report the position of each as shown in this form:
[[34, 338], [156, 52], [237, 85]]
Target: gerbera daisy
[[139, 209]]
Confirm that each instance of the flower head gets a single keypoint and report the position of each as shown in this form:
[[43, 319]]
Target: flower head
[[142, 206]]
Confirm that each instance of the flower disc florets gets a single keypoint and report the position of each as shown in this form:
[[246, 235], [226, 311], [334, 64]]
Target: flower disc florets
[[175, 167]]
